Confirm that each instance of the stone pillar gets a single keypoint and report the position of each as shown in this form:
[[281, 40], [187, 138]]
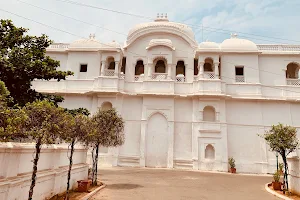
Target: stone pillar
[[142, 143], [150, 66], [102, 68], [201, 69], [169, 71], [216, 69], [116, 68], [171, 145]]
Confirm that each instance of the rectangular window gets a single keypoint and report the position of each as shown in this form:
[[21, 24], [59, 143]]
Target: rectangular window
[[239, 70], [83, 68]]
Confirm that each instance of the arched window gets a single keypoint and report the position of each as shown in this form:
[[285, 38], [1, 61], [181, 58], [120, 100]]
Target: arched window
[[111, 63], [180, 68], [209, 152], [292, 71], [209, 114], [106, 106], [208, 65], [195, 67], [139, 67], [123, 65], [160, 67]]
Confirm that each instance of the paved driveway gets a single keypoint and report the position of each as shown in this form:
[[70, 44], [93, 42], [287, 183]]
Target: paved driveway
[[169, 184]]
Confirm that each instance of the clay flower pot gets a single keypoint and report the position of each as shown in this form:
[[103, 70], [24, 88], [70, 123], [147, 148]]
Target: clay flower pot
[[233, 170], [83, 185], [276, 185]]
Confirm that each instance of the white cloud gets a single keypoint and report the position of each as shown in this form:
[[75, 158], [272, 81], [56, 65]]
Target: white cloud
[[263, 17]]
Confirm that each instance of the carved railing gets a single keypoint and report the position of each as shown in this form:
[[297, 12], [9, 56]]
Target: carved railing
[[122, 76], [159, 76], [139, 77], [59, 46], [109, 72], [210, 75], [276, 47], [239, 79], [295, 82], [180, 78]]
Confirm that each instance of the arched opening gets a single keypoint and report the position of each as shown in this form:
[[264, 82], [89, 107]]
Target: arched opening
[[123, 65], [160, 66], [180, 68], [209, 152], [292, 71], [196, 67], [156, 144], [106, 106], [209, 114], [208, 65], [139, 67], [111, 63]]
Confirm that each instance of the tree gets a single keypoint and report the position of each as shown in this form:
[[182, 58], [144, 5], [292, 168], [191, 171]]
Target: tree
[[282, 139], [76, 130], [11, 119], [45, 123], [23, 59], [76, 111], [107, 130]]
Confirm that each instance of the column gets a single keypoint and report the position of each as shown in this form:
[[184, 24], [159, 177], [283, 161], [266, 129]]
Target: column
[[150, 66], [217, 69], [116, 68], [201, 69], [102, 67], [169, 71], [170, 163], [142, 143]]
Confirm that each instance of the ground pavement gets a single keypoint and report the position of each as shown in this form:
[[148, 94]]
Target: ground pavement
[[170, 184]]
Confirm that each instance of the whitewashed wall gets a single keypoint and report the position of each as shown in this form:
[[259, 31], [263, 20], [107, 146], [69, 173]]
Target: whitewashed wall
[[294, 172], [16, 170]]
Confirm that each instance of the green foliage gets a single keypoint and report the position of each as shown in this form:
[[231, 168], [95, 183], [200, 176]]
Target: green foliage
[[45, 122], [22, 60], [4, 95], [276, 176], [280, 166], [108, 128], [82, 111], [282, 139], [231, 162]]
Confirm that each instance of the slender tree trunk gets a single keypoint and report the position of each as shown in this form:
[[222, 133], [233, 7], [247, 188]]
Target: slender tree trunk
[[35, 162], [285, 172], [70, 168], [96, 164]]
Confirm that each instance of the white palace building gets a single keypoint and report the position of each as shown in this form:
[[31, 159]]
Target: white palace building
[[185, 104]]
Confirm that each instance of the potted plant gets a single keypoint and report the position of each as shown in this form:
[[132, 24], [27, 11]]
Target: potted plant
[[231, 163], [280, 166], [276, 183]]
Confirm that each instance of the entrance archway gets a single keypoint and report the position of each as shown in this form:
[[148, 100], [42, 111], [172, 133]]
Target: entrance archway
[[157, 141]]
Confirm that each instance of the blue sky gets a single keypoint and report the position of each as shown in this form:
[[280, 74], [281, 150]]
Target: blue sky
[[273, 19]]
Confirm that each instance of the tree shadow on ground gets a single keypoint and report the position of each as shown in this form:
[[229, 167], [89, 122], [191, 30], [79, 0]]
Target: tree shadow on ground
[[123, 186]]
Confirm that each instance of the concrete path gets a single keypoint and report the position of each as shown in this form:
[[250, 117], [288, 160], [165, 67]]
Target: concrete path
[[169, 184]]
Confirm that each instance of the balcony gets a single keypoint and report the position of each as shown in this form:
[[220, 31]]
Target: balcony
[[239, 79], [109, 72], [276, 47], [210, 75], [293, 82], [159, 76]]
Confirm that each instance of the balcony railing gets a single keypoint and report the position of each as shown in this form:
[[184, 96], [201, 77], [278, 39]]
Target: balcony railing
[[122, 76], [210, 75], [276, 47], [109, 72], [139, 77], [239, 79], [295, 82], [59, 46], [159, 76], [180, 78]]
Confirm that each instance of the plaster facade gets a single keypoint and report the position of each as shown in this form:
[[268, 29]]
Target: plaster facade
[[185, 105]]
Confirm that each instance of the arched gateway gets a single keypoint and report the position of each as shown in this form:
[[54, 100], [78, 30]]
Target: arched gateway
[[157, 141]]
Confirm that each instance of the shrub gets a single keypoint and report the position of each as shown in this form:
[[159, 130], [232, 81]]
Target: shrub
[[231, 162], [276, 176]]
